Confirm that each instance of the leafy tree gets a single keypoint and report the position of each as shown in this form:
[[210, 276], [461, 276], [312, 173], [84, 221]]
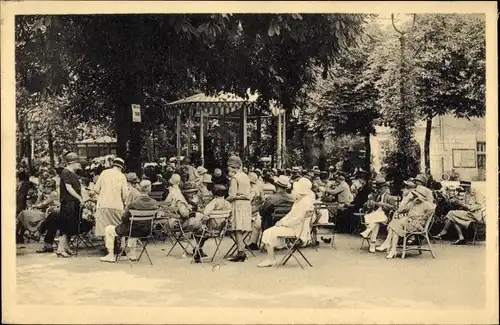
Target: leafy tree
[[450, 70]]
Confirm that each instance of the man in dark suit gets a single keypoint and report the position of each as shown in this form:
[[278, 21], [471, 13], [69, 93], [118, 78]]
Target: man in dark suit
[[143, 203]]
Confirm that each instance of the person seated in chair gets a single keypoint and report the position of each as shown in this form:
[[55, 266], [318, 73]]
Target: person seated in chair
[[256, 199], [218, 203], [292, 224], [182, 204], [139, 229], [48, 203], [463, 211], [412, 217], [280, 197], [379, 205]]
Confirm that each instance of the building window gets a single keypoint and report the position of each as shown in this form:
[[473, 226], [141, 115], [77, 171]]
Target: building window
[[481, 155]]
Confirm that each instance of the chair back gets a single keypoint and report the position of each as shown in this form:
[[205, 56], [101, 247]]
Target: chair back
[[142, 216], [429, 222], [281, 210], [267, 192], [157, 195], [221, 218]]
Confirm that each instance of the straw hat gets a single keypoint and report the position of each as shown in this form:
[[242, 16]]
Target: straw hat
[[201, 170], [132, 178], [420, 178], [419, 192], [282, 181], [380, 182], [118, 162], [72, 157]]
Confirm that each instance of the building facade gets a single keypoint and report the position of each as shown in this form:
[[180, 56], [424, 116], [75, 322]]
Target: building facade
[[456, 144]]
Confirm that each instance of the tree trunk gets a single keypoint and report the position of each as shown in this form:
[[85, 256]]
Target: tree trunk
[[368, 152], [51, 148], [29, 149], [308, 149], [427, 142], [22, 147], [322, 152], [258, 148]]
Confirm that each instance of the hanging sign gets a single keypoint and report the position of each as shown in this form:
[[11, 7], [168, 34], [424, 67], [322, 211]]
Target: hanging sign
[[136, 113]]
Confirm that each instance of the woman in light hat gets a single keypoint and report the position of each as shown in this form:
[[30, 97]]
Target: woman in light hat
[[417, 210], [292, 224], [239, 197]]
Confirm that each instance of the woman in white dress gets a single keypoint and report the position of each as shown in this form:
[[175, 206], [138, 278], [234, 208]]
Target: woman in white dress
[[292, 223]]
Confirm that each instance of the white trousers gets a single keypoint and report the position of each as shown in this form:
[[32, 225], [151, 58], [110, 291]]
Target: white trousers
[[109, 240]]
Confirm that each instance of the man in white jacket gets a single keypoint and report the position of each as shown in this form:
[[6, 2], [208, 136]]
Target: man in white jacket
[[113, 190]]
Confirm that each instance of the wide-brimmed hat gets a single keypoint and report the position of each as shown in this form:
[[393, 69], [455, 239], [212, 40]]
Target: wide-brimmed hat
[[72, 157], [380, 182], [118, 162], [186, 161], [282, 181], [189, 187], [340, 177], [258, 171], [201, 170], [207, 178], [296, 169], [419, 192], [234, 162], [132, 178], [219, 189], [420, 178], [316, 172], [302, 186], [217, 172], [410, 184]]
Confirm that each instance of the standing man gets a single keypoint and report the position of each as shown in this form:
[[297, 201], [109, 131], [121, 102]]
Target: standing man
[[112, 188]]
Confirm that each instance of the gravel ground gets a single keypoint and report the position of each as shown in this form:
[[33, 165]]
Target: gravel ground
[[345, 277]]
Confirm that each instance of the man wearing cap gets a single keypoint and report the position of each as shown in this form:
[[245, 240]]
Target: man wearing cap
[[268, 186], [113, 191], [296, 175], [280, 197], [140, 229], [420, 180], [133, 192], [204, 188], [462, 212], [380, 204], [342, 193]]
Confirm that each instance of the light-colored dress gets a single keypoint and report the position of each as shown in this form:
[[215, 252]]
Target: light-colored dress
[[415, 219], [292, 224], [241, 216]]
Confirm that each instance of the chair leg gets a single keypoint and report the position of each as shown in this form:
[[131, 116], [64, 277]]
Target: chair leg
[[419, 242], [403, 253], [429, 244], [218, 242], [177, 239], [305, 259]]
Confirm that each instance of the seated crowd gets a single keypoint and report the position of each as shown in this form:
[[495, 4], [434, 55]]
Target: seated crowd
[[99, 198]]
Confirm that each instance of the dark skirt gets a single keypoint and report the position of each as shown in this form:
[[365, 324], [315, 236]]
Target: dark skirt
[[69, 215]]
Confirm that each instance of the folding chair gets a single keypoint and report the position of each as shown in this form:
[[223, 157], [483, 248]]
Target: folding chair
[[317, 223], [477, 224], [178, 234], [139, 216], [80, 237], [294, 243], [221, 219], [419, 235]]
